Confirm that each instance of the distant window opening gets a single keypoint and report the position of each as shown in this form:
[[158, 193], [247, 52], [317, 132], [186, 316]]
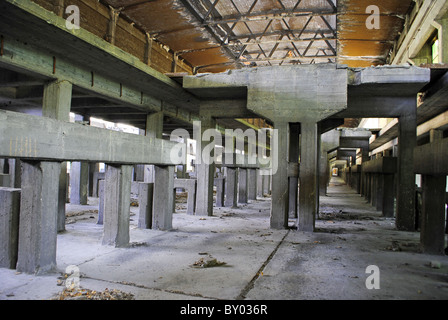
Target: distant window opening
[[435, 50]]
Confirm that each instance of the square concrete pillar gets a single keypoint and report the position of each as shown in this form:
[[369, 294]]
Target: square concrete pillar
[[432, 230], [220, 188], [308, 177], [259, 184], [280, 186], [405, 219], [56, 104], [231, 187], [388, 195], [4, 180], [163, 198], [79, 180], [205, 169], [101, 189], [117, 203], [267, 184], [145, 204], [9, 226], [293, 158], [252, 184], [242, 185], [38, 216]]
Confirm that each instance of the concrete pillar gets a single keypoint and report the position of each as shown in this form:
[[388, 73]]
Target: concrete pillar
[[14, 173], [56, 104], [220, 191], [101, 189], [231, 187], [267, 184], [79, 179], [205, 169], [388, 195], [280, 186], [94, 169], [252, 184], [145, 205], [259, 184], [154, 130], [191, 200], [38, 216], [379, 192], [294, 131], [163, 198], [242, 185], [432, 230], [308, 177], [9, 226], [405, 219], [117, 202]]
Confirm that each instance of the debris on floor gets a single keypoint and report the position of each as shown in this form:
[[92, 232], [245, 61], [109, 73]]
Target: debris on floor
[[208, 262], [87, 294]]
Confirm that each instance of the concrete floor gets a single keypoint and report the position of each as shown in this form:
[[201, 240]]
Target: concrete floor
[[259, 263]]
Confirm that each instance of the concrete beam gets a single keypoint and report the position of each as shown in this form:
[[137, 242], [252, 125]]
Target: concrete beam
[[57, 140]]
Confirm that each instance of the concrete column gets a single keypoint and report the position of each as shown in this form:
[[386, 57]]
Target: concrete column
[[94, 169], [405, 219], [163, 198], [259, 184], [117, 205], [308, 177], [56, 104], [432, 231], [267, 184], [154, 130], [231, 187], [38, 216], [205, 170], [242, 185], [79, 181], [388, 195], [9, 226], [280, 186], [101, 188], [252, 184], [14, 173], [379, 192], [220, 191], [145, 205], [294, 131]]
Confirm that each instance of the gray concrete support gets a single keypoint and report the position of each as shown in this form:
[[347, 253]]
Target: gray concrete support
[[117, 205], [220, 191], [163, 197], [279, 197], [432, 229], [308, 177], [388, 195], [56, 104], [252, 184], [259, 184], [145, 205], [294, 131], [205, 169], [101, 189], [9, 226], [405, 218], [38, 216], [231, 187], [154, 130], [242, 185], [79, 181]]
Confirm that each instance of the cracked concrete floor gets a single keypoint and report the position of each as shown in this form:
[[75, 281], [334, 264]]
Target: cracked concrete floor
[[259, 263]]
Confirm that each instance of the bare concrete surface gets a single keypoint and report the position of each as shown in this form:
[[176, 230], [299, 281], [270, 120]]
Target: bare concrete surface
[[248, 260]]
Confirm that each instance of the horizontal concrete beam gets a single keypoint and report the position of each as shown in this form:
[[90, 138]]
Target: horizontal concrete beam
[[33, 137], [380, 165], [237, 160], [432, 158]]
